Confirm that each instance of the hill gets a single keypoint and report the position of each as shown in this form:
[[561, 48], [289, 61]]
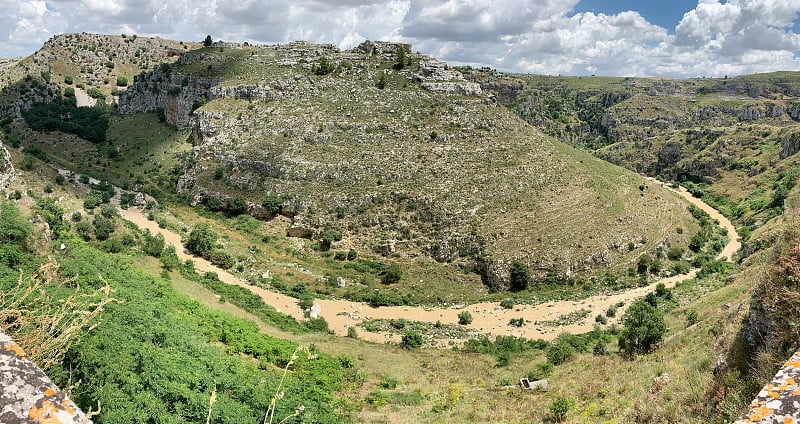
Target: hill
[[363, 168], [400, 170]]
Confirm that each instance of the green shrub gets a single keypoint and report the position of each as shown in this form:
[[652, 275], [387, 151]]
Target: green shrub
[[601, 319], [692, 317], [559, 352], [519, 276], [122, 81], [507, 303], [323, 67], [391, 274], [541, 371], [516, 322], [642, 328], [103, 227], [464, 318], [202, 240], [411, 340], [559, 408], [96, 93], [675, 253]]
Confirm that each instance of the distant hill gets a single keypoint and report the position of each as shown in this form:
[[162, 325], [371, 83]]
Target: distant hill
[[378, 149]]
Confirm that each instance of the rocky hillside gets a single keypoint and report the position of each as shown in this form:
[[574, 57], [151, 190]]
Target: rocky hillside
[[737, 136], [380, 150], [399, 160]]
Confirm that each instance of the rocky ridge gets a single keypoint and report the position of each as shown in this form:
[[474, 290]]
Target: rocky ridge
[[425, 164]]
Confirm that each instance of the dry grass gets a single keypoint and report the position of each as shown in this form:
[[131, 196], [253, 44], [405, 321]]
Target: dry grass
[[44, 324]]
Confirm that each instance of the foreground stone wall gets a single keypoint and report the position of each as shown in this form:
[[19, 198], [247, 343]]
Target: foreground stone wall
[[28, 395], [778, 401]]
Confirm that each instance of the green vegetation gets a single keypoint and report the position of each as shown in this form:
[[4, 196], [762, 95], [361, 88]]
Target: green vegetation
[[89, 123], [519, 276], [643, 328], [169, 353]]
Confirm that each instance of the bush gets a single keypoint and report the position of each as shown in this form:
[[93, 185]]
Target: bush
[[202, 240], [96, 93], [516, 322], [601, 319], [68, 79], [559, 351], [519, 276], [103, 227], [391, 274], [611, 312], [327, 238], [464, 318], [411, 340], [122, 82], [642, 328], [675, 253], [507, 303], [692, 317], [559, 408], [324, 67]]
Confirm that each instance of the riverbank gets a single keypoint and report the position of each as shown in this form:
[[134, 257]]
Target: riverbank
[[487, 318]]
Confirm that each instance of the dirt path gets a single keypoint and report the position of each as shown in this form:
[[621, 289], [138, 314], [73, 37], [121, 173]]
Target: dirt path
[[488, 318]]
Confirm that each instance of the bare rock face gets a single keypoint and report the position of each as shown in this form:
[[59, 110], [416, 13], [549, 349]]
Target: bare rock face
[[301, 228], [790, 144], [7, 171], [28, 395], [437, 76], [176, 94]]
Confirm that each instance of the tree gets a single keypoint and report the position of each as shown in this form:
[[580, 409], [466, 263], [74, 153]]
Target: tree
[[464, 318], [103, 227], [520, 276], [642, 328], [208, 41], [202, 240], [400, 57]]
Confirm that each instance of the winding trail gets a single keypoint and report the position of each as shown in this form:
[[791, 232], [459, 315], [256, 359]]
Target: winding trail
[[488, 317]]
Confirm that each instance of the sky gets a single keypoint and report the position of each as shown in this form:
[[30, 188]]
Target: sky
[[669, 38]]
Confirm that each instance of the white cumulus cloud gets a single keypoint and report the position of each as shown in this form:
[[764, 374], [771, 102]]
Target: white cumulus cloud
[[715, 38]]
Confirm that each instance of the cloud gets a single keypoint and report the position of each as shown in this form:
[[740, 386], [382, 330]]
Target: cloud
[[716, 37]]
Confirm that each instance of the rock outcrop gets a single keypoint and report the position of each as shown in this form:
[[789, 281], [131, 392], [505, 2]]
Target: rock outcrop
[[7, 171], [28, 395]]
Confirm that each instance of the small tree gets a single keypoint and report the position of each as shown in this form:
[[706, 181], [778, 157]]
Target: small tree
[[202, 240], [519, 276], [208, 41], [559, 408], [465, 318], [122, 81], [642, 328], [400, 58]]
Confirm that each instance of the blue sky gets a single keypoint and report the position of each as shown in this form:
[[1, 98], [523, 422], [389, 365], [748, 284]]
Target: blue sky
[[665, 13], [670, 38]]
